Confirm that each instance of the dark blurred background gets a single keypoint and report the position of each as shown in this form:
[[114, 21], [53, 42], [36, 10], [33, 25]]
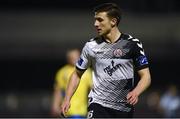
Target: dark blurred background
[[35, 34]]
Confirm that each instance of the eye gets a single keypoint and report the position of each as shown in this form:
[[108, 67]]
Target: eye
[[99, 19]]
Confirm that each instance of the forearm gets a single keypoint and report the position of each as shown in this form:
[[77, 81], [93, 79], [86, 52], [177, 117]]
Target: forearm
[[57, 98], [72, 86], [56, 101], [143, 84]]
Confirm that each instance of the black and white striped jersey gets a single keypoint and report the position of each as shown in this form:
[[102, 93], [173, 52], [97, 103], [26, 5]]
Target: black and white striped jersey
[[113, 67]]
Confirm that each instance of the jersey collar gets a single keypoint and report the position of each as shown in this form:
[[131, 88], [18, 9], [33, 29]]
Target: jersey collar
[[121, 37]]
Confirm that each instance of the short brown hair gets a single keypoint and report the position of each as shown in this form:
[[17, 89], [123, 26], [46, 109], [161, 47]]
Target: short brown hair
[[113, 11]]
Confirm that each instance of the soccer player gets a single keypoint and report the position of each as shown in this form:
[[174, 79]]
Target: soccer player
[[80, 99], [113, 56]]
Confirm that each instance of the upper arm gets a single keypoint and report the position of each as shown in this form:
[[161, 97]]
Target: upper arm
[[59, 82], [140, 60], [84, 61], [139, 56]]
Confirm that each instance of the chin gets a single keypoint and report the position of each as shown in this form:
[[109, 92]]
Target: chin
[[100, 34]]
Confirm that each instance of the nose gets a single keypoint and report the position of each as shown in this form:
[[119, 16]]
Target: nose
[[96, 23]]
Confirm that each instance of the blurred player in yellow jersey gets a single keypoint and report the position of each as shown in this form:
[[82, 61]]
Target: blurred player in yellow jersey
[[79, 101]]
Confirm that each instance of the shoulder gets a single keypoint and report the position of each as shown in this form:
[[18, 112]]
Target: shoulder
[[132, 41], [130, 38], [96, 40], [65, 68]]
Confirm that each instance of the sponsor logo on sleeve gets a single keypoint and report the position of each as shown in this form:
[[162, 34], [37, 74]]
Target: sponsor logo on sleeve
[[142, 60], [80, 61]]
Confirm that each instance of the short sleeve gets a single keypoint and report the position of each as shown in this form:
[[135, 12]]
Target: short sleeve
[[84, 60], [59, 83], [139, 57]]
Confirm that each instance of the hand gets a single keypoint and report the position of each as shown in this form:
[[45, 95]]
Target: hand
[[132, 97], [55, 112], [64, 108]]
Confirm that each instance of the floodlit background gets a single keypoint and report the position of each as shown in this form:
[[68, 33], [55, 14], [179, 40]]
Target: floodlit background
[[35, 34]]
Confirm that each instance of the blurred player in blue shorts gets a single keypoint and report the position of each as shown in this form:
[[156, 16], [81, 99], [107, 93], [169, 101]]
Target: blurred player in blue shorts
[[79, 101]]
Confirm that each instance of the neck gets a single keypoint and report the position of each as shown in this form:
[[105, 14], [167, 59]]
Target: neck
[[113, 35]]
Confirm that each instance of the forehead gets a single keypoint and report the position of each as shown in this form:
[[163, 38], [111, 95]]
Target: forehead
[[100, 15]]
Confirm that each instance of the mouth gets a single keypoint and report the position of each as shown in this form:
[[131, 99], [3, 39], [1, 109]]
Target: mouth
[[98, 30]]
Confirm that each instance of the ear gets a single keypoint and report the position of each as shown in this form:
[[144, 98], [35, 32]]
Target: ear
[[113, 22]]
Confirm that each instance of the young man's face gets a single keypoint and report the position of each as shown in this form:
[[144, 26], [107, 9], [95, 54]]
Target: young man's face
[[102, 23]]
